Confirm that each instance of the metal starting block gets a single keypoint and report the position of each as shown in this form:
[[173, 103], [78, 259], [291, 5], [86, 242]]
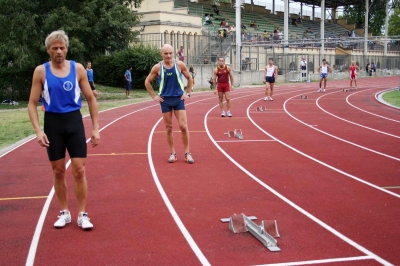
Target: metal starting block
[[349, 89], [261, 108], [303, 97], [265, 233], [237, 133]]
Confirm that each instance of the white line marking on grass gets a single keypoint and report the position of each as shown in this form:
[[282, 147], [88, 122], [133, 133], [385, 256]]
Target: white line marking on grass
[[292, 204], [309, 262], [333, 136], [348, 121]]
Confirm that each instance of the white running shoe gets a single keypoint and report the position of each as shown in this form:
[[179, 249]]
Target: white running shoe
[[319, 90], [172, 158], [63, 219], [270, 98], [84, 221], [324, 90], [229, 114], [223, 114], [266, 98]]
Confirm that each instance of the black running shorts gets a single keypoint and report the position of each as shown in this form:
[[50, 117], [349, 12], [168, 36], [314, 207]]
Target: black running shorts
[[65, 132]]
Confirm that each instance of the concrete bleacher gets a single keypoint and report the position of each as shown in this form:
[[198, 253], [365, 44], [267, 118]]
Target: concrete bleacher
[[265, 21]]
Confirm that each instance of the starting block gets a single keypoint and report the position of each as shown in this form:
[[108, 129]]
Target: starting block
[[261, 108], [349, 89], [237, 133], [265, 233], [303, 97]]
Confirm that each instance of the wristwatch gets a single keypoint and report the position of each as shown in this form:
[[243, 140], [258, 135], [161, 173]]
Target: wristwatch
[[187, 94]]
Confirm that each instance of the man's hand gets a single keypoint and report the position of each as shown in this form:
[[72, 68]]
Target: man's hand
[[215, 91], [185, 96], [95, 138], [231, 87], [42, 139], [157, 98]]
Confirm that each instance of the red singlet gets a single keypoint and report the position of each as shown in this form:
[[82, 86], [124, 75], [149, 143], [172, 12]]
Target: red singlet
[[353, 72]]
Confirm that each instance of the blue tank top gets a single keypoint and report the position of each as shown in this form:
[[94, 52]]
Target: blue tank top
[[170, 81], [61, 95], [90, 75]]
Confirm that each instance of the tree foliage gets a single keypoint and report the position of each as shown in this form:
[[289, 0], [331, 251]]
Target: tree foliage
[[376, 16], [110, 69], [394, 22], [93, 26]]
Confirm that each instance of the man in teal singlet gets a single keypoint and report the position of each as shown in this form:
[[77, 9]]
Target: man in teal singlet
[[171, 97]]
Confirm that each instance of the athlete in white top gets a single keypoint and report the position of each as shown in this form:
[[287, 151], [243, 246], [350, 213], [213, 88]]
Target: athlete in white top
[[323, 70], [303, 66], [271, 76]]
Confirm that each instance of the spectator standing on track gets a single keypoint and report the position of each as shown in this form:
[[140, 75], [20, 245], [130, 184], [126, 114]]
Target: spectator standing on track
[[225, 85], [89, 72], [128, 80], [303, 67], [323, 69], [271, 76], [172, 97], [60, 82], [353, 74]]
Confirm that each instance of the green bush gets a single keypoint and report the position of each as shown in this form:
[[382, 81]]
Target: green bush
[[15, 83], [110, 69]]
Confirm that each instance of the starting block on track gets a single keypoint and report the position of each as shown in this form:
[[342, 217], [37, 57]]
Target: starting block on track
[[237, 133], [261, 108], [349, 89], [265, 233], [303, 97]]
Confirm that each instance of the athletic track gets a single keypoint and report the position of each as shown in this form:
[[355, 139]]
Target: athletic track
[[326, 168]]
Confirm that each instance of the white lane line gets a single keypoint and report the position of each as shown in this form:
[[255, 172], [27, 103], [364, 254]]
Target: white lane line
[[168, 203], [333, 136], [39, 226], [245, 140], [322, 163], [348, 121], [309, 262], [289, 202], [378, 97], [384, 117]]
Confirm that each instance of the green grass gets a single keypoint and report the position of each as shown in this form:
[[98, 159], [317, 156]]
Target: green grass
[[392, 97]]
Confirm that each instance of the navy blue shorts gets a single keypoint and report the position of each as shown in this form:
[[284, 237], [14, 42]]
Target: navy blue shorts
[[270, 79], [324, 75], [65, 132], [172, 103], [128, 85]]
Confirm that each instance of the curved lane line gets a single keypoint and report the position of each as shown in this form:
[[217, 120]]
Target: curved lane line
[[347, 100], [348, 121], [333, 136], [283, 198], [320, 162]]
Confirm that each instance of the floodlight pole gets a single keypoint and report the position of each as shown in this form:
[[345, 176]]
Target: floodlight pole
[[322, 51], [286, 27], [366, 31], [386, 33], [238, 35]]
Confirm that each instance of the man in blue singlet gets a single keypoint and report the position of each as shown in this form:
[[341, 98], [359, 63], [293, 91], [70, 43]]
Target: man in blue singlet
[[60, 83], [172, 97], [90, 75], [324, 69]]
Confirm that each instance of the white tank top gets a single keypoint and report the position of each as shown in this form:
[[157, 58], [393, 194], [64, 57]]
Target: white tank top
[[324, 69], [271, 71]]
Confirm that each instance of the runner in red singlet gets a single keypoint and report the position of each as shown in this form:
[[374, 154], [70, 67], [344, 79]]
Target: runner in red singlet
[[225, 85], [353, 74]]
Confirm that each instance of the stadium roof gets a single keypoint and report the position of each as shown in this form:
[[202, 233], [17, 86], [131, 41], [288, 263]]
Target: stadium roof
[[329, 3]]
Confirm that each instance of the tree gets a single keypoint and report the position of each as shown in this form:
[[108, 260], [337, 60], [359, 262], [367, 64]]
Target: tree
[[394, 22], [376, 19], [93, 26]]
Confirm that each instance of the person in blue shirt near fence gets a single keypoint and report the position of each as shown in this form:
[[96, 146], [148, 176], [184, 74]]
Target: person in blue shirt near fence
[[128, 80]]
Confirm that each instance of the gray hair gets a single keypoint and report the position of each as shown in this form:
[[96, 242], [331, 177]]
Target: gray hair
[[58, 35]]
